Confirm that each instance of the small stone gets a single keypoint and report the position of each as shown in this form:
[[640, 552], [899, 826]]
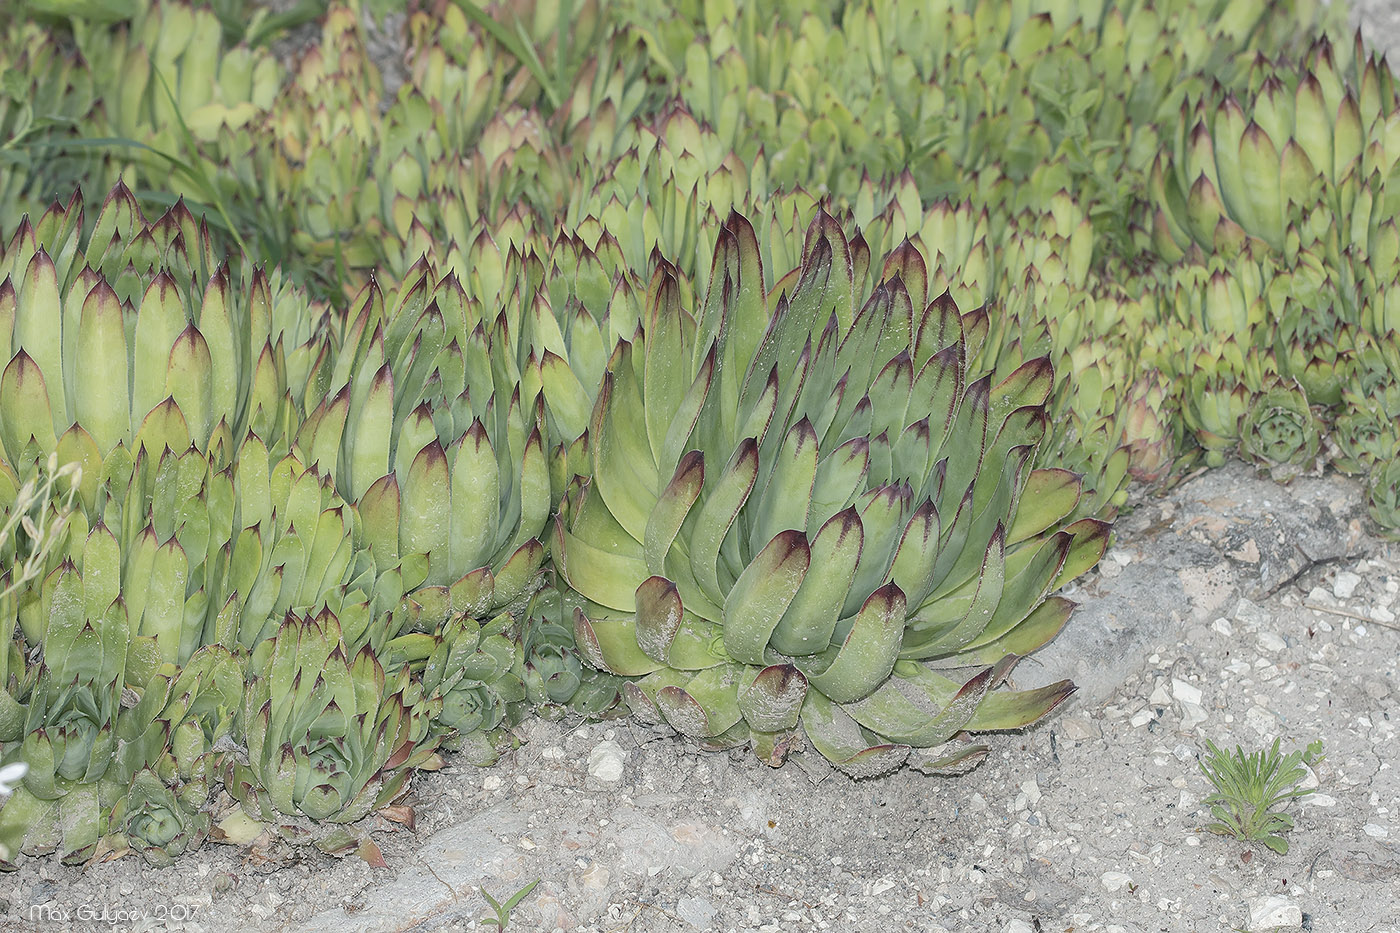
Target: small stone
[[1382, 614], [695, 911], [1376, 689], [1261, 719], [1319, 800], [1183, 752], [1247, 552], [1185, 692], [1160, 696], [1270, 641], [1309, 780], [1344, 584], [1192, 715], [492, 782], [1017, 926], [595, 877], [1274, 913], [1078, 729], [1223, 626], [1032, 791], [606, 761], [1322, 597], [1375, 830], [1115, 880], [1250, 614], [1141, 718]]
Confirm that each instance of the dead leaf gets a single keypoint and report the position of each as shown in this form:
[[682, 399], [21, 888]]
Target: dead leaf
[[108, 851], [398, 813], [369, 851], [237, 828]]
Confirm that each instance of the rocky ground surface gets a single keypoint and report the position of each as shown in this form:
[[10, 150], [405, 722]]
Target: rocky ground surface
[[1233, 610]]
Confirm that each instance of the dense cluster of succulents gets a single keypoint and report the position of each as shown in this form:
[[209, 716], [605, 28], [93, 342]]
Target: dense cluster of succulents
[[245, 547], [544, 382]]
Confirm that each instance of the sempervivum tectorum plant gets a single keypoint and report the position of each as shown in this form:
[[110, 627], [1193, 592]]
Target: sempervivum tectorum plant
[[1279, 432], [1280, 159], [329, 737], [807, 515], [426, 431]]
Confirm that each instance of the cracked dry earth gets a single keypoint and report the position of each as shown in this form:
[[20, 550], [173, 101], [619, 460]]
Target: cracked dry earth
[[1196, 626]]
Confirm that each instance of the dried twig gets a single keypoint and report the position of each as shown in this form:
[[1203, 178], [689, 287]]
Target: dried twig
[[1352, 615]]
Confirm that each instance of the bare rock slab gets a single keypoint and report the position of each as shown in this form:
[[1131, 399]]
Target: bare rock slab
[[1188, 558], [450, 866]]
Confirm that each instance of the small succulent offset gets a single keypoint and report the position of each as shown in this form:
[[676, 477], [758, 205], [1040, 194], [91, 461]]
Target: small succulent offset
[[1383, 496], [10, 776], [1279, 432], [1251, 789]]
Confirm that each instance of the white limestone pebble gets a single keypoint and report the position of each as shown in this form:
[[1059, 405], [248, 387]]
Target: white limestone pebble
[[606, 761], [1274, 913], [1115, 880], [1344, 584]]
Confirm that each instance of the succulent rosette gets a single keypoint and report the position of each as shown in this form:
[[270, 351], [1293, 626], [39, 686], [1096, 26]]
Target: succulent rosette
[[469, 678], [1213, 408], [180, 716], [70, 731], [1365, 431], [159, 823], [1280, 432], [1147, 429], [425, 430], [328, 737], [555, 678], [1383, 494], [856, 444]]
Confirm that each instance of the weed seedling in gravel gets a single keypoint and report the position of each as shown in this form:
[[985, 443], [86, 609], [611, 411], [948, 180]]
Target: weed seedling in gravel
[[1251, 789], [503, 910]]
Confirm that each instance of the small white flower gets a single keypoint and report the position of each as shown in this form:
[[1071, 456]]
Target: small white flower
[[10, 777]]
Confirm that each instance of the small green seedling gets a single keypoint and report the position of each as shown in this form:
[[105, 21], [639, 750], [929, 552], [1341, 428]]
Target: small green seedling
[[1251, 789], [503, 910]]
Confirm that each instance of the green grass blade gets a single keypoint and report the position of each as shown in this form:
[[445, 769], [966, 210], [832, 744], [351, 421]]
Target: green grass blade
[[517, 45]]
